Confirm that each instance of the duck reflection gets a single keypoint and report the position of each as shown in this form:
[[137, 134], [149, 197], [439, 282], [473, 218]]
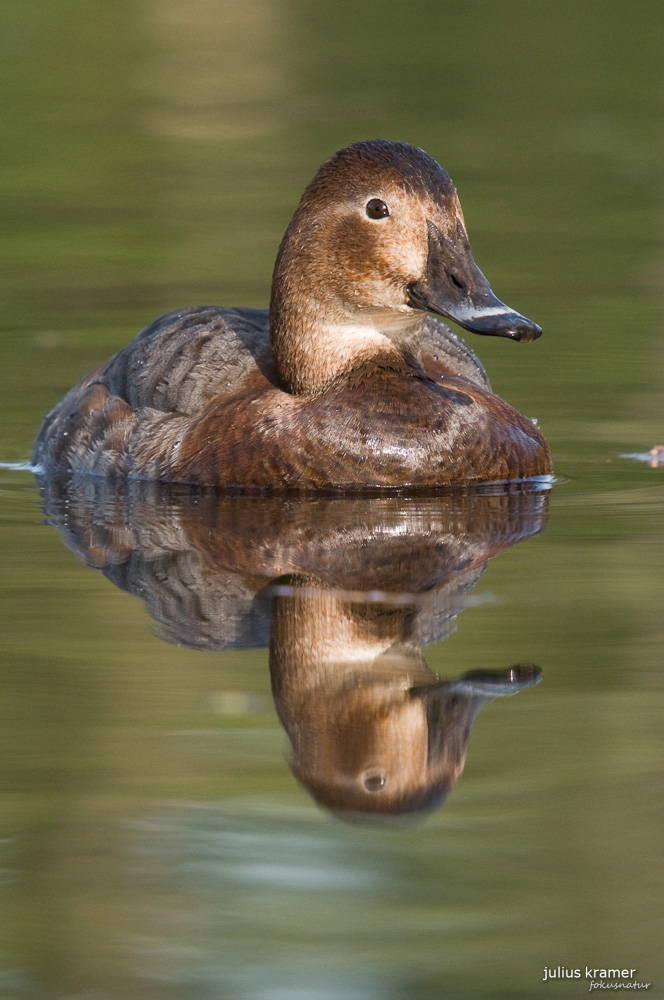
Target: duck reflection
[[346, 592], [373, 730]]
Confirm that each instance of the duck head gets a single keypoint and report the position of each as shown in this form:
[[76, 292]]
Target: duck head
[[377, 240]]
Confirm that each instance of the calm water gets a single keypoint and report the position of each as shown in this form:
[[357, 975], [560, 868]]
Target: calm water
[[226, 771]]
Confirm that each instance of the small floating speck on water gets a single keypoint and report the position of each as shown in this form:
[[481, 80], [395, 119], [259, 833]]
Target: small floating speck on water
[[654, 457]]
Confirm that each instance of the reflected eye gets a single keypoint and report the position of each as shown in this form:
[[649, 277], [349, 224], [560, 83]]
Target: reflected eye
[[377, 209], [374, 781]]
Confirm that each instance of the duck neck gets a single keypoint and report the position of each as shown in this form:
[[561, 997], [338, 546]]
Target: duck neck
[[317, 336]]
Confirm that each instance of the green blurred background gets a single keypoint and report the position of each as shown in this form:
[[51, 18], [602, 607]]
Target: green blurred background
[[151, 155]]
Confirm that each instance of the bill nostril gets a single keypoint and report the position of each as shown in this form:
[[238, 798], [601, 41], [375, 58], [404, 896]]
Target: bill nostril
[[455, 281]]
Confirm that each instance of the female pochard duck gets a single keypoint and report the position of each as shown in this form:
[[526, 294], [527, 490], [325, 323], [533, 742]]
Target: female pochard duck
[[346, 383]]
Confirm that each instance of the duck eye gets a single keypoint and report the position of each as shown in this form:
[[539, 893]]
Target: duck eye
[[377, 209]]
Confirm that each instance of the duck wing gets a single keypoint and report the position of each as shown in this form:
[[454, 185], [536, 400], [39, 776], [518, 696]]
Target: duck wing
[[448, 348], [183, 359]]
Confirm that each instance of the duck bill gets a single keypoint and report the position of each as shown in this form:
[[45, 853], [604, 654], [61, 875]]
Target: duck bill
[[454, 287], [485, 683]]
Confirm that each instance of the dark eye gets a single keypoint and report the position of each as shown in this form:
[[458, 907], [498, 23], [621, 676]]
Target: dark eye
[[374, 781], [377, 209]]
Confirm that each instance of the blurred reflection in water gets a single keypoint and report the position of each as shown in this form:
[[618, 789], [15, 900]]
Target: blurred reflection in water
[[346, 592]]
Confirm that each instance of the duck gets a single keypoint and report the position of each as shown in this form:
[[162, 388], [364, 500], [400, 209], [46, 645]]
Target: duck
[[346, 382]]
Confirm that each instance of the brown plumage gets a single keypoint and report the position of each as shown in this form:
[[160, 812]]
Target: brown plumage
[[345, 384]]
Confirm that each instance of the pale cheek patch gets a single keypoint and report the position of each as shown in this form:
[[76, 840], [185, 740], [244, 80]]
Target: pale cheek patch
[[408, 249], [408, 254]]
